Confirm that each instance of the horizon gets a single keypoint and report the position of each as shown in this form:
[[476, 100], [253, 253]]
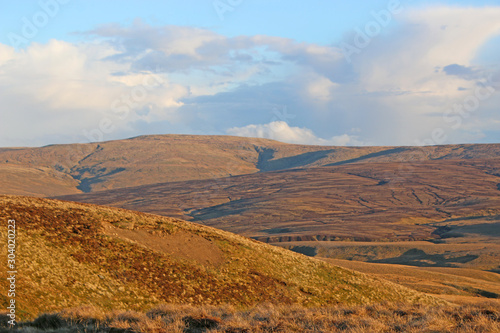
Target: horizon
[[248, 137], [387, 73]]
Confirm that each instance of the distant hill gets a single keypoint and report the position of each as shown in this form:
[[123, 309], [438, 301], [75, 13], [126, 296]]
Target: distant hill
[[361, 201], [76, 168], [74, 254]]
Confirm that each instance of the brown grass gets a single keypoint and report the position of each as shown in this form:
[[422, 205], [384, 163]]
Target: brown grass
[[67, 259], [385, 317]]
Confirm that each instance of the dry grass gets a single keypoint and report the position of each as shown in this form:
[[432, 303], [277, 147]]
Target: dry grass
[[67, 259], [272, 318]]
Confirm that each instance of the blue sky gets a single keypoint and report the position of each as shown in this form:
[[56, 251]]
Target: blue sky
[[311, 21], [314, 21], [297, 71]]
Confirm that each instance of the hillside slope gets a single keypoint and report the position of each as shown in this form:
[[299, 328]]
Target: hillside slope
[[72, 254], [68, 169]]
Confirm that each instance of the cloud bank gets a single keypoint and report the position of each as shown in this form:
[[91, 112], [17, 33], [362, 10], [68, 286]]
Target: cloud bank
[[421, 74], [281, 131]]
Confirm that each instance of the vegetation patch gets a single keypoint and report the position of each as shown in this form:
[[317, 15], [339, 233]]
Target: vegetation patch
[[384, 317]]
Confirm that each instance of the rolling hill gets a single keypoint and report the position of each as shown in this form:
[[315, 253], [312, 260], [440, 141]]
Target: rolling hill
[[75, 254], [76, 168]]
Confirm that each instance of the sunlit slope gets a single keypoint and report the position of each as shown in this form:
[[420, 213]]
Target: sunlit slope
[[72, 254]]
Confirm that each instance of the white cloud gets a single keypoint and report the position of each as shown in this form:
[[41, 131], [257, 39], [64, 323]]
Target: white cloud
[[281, 131], [6, 53], [394, 92], [410, 58], [320, 88], [402, 89], [59, 90]]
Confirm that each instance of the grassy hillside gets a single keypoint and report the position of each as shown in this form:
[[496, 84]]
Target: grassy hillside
[[35, 181], [75, 254], [66, 169]]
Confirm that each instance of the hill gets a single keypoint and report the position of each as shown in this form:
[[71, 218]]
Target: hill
[[75, 254], [76, 168], [362, 201]]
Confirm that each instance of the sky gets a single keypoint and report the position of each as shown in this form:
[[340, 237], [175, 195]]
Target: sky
[[349, 73]]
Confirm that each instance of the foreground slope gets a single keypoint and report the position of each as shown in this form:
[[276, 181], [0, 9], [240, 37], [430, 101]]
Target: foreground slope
[[75, 168], [72, 254]]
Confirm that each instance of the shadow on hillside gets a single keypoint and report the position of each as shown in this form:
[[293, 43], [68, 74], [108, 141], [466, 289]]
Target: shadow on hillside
[[417, 257], [481, 229], [309, 251], [54, 322], [266, 164], [234, 207], [98, 177], [368, 156]]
